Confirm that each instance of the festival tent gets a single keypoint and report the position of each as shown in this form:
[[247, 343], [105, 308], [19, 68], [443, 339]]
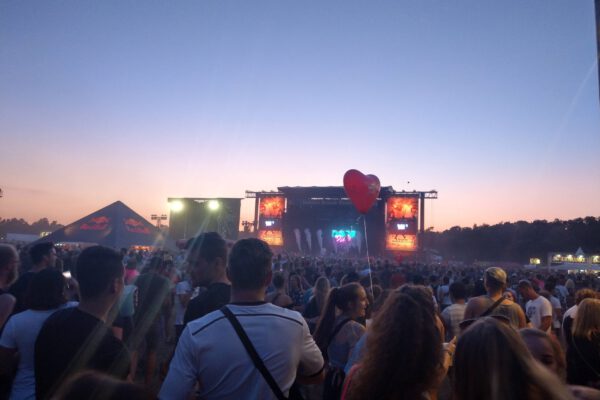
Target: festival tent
[[115, 225], [575, 267]]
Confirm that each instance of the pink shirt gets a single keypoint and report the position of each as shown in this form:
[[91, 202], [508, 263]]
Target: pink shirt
[[130, 275]]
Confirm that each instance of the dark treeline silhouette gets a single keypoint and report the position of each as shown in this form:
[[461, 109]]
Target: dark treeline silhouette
[[19, 225], [516, 241]]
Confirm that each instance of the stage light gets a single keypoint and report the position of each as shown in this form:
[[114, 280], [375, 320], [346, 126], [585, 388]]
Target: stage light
[[176, 206], [213, 205]]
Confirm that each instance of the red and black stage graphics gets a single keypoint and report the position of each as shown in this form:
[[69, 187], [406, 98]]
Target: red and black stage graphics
[[401, 223], [95, 224], [270, 213], [136, 226]]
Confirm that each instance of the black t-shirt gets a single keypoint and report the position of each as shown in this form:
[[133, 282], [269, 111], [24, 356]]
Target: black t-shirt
[[19, 289], [217, 295], [583, 361], [311, 310], [71, 341]]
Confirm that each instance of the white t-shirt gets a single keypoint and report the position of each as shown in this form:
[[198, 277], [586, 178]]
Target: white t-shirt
[[571, 312], [183, 287], [537, 309], [210, 352], [555, 305], [20, 333], [563, 293]]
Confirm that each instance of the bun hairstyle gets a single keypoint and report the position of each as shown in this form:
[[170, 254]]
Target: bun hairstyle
[[338, 298]]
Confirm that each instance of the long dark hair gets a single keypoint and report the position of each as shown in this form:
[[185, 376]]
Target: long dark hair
[[340, 298], [403, 350]]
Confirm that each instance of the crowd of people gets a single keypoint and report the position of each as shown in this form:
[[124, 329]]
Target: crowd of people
[[236, 321]]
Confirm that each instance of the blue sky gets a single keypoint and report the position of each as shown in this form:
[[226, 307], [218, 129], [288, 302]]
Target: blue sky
[[494, 104]]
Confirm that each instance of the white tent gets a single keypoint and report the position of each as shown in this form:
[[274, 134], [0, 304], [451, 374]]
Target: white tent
[[576, 266]]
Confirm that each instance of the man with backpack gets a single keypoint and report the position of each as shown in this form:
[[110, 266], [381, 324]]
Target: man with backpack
[[248, 349]]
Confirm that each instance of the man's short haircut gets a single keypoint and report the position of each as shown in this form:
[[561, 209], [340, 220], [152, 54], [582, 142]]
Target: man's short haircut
[[458, 291], [208, 246], [39, 251], [524, 283], [46, 290], [495, 278], [97, 267], [278, 281], [249, 264]]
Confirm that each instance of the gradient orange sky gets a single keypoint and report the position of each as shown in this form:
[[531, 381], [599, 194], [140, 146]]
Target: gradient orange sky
[[493, 105]]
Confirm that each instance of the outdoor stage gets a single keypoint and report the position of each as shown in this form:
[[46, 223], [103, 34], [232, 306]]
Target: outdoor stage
[[311, 220], [322, 220]]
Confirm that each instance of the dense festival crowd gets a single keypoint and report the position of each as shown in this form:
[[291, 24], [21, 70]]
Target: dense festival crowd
[[235, 321]]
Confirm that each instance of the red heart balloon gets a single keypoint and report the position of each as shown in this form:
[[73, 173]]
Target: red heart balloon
[[361, 189]]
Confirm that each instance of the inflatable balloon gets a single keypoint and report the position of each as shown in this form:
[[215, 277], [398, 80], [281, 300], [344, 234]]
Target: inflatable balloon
[[361, 189]]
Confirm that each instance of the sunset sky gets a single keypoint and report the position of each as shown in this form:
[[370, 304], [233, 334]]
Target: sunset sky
[[494, 104]]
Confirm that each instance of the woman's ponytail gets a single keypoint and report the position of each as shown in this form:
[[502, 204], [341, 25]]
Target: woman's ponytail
[[327, 320]]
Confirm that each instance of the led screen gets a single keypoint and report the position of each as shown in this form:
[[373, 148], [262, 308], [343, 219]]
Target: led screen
[[399, 242], [343, 235], [402, 208], [273, 238], [271, 207], [402, 216]]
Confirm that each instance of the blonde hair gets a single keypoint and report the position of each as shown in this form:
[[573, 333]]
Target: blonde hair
[[587, 320], [321, 291], [492, 362]]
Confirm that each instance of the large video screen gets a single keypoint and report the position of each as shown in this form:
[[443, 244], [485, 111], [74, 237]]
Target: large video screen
[[270, 213], [273, 238], [402, 208], [399, 242], [271, 207], [401, 223], [341, 236]]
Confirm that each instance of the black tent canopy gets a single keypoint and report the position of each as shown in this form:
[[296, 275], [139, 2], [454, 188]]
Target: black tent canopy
[[115, 225]]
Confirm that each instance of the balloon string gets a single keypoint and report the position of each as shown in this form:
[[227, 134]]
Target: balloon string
[[368, 257]]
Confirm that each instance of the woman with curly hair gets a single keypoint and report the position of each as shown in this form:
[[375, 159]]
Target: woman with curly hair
[[492, 362], [404, 356]]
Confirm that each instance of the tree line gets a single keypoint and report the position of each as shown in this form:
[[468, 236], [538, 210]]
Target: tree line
[[516, 241], [507, 241], [19, 225]]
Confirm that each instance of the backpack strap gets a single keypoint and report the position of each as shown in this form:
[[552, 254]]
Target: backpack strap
[[258, 362], [492, 307], [337, 329]]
